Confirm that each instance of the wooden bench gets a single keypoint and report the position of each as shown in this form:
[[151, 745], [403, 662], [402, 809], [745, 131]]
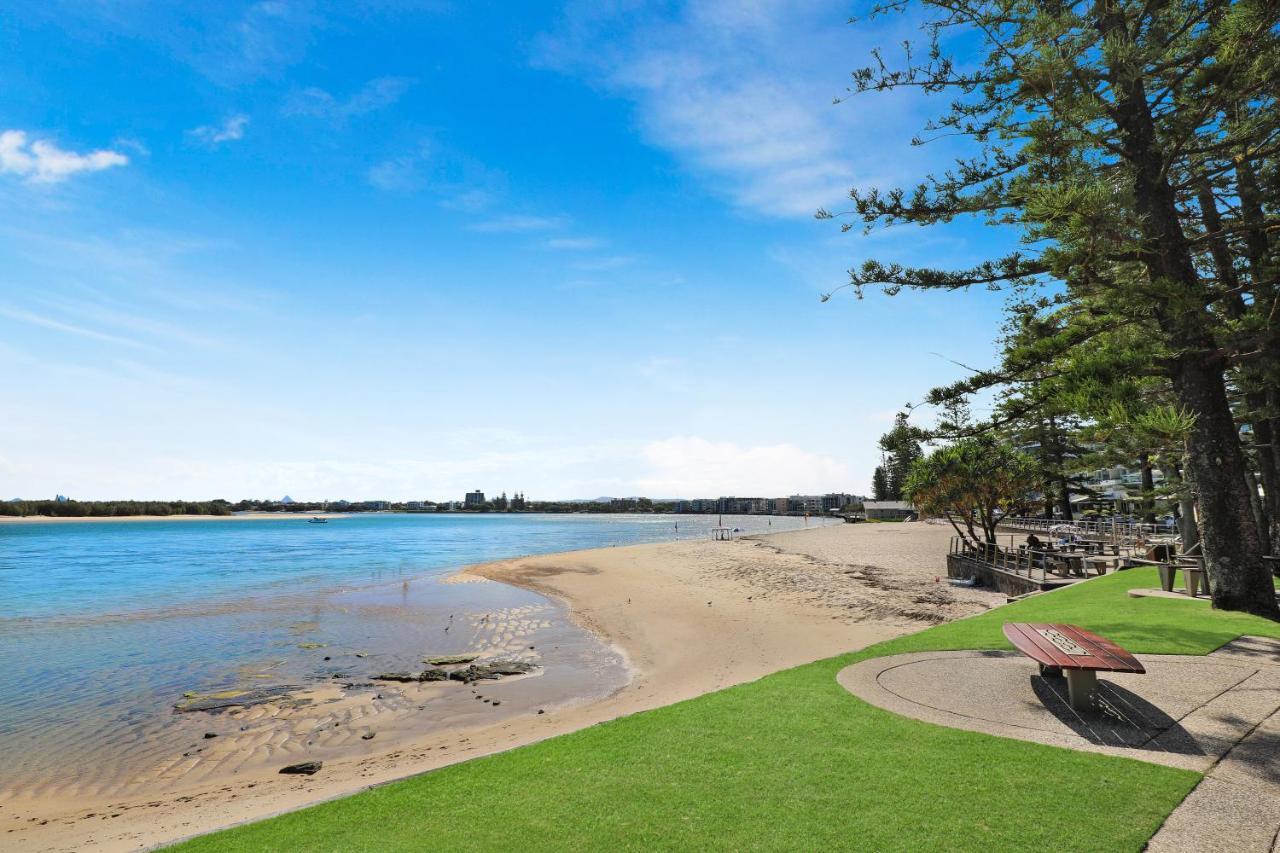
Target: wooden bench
[[1073, 651]]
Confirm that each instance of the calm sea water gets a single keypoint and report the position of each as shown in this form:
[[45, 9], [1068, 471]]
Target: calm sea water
[[103, 625]]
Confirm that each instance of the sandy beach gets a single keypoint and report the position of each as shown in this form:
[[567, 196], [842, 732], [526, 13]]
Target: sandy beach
[[687, 617]]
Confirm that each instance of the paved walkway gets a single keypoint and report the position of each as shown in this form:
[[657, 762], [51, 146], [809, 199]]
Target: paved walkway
[[1218, 714]]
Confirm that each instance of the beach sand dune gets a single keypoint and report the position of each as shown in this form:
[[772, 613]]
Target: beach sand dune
[[690, 617]]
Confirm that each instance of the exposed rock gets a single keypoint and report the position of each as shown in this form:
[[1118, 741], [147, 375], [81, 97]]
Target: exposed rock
[[447, 660], [512, 667], [234, 699], [312, 645], [367, 736], [396, 676], [306, 768], [208, 735], [491, 671], [434, 674]]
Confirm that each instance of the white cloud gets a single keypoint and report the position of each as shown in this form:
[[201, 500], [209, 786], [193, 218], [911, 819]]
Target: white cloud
[[612, 262], [515, 223], [740, 93], [43, 162], [374, 95], [696, 467], [574, 244], [396, 174], [42, 321], [230, 130]]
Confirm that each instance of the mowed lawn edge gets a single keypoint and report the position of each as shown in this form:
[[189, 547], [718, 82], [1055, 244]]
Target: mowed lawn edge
[[793, 761]]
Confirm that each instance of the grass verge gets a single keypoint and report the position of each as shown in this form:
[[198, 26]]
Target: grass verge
[[792, 761]]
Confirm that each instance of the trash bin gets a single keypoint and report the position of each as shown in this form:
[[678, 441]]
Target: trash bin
[[1194, 578], [1166, 576]]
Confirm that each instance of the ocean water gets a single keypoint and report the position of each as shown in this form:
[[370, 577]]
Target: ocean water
[[104, 625]]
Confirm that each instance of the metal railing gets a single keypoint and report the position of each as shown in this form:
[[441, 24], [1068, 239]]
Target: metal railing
[[1033, 563], [1120, 529]]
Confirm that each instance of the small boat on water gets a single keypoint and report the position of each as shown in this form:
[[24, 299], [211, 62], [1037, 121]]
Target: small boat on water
[[317, 520]]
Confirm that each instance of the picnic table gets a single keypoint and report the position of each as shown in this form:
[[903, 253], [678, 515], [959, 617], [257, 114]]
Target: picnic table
[[1100, 565], [1069, 649]]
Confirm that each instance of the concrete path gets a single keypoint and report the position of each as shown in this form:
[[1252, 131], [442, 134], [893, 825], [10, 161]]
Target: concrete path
[[1218, 714]]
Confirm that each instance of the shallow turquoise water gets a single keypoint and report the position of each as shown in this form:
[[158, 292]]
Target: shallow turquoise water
[[103, 625], [119, 567]]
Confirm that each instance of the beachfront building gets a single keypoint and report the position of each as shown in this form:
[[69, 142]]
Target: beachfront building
[[888, 510], [474, 500]]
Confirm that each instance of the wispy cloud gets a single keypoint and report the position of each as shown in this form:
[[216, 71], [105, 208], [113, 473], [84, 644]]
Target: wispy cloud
[[41, 320], [375, 95], [42, 162], [696, 467], [400, 174], [266, 38], [213, 135], [612, 262], [740, 93], [518, 223], [574, 244]]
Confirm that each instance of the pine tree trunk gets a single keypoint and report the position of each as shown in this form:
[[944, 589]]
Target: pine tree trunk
[[1215, 462], [1186, 511], [1215, 467], [1148, 486]]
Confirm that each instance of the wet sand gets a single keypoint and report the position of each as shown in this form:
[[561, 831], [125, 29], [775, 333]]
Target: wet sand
[[688, 617]]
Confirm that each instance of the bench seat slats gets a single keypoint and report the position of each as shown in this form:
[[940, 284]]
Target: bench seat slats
[[1106, 659], [1103, 654], [1027, 641]]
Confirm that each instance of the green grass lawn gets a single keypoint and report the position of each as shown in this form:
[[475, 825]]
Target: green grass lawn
[[792, 761]]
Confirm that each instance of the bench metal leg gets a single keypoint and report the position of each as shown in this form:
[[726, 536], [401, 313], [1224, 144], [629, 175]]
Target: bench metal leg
[[1080, 686]]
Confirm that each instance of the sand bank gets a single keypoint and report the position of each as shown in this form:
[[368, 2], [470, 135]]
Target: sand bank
[[690, 617]]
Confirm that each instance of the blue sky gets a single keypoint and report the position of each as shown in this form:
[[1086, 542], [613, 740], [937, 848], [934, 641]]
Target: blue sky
[[401, 250]]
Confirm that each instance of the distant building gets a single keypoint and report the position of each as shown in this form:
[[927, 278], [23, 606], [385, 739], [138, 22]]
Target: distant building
[[889, 510], [474, 500], [286, 500], [377, 504]]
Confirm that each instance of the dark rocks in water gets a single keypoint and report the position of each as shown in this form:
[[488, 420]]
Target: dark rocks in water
[[512, 667], [367, 736], [306, 768], [224, 699], [447, 660], [396, 676], [491, 671], [208, 735], [497, 702], [434, 674], [540, 711]]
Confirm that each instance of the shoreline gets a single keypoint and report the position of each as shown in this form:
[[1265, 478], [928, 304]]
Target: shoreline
[[690, 617]]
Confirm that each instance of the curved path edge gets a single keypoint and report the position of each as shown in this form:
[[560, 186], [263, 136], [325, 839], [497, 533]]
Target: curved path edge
[[1232, 735]]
